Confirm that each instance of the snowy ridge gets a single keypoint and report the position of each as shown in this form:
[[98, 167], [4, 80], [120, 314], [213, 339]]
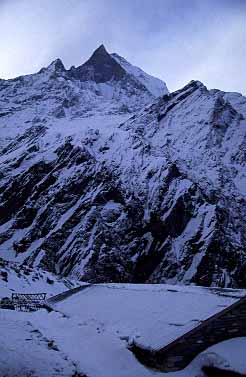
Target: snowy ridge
[[153, 84]]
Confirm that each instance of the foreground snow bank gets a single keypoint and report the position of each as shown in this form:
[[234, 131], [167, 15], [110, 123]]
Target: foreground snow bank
[[25, 352]]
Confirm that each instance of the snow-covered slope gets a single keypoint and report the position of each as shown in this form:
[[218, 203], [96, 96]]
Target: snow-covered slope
[[18, 278], [153, 84], [102, 182]]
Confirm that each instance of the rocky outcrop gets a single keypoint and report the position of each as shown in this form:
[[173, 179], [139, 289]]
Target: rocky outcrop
[[101, 68]]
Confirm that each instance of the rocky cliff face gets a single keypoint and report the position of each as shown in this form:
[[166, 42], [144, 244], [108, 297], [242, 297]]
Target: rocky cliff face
[[102, 181]]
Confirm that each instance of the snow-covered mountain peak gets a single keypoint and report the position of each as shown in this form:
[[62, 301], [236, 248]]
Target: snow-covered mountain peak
[[57, 65], [99, 54], [100, 86], [103, 67], [53, 70]]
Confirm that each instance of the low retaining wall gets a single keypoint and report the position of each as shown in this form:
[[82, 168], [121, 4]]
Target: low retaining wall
[[227, 324]]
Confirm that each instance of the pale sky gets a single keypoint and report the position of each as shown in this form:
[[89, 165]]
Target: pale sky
[[175, 40]]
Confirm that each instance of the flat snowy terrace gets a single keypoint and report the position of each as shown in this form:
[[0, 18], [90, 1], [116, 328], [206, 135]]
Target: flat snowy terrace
[[152, 315], [89, 332]]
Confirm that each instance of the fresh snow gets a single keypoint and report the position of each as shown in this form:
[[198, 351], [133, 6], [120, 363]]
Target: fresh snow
[[155, 86], [24, 279], [92, 329], [175, 310]]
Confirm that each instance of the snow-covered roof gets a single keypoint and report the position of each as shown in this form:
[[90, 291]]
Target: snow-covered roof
[[154, 315]]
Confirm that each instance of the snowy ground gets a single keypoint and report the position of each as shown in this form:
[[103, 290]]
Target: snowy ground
[[138, 311], [24, 351], [89, 332]]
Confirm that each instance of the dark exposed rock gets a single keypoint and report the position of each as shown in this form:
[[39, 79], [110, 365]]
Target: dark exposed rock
[[56, 66], [4, 275], [101, 67]]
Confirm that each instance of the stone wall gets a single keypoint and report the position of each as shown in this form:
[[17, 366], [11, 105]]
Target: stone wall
[[227, 324]]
